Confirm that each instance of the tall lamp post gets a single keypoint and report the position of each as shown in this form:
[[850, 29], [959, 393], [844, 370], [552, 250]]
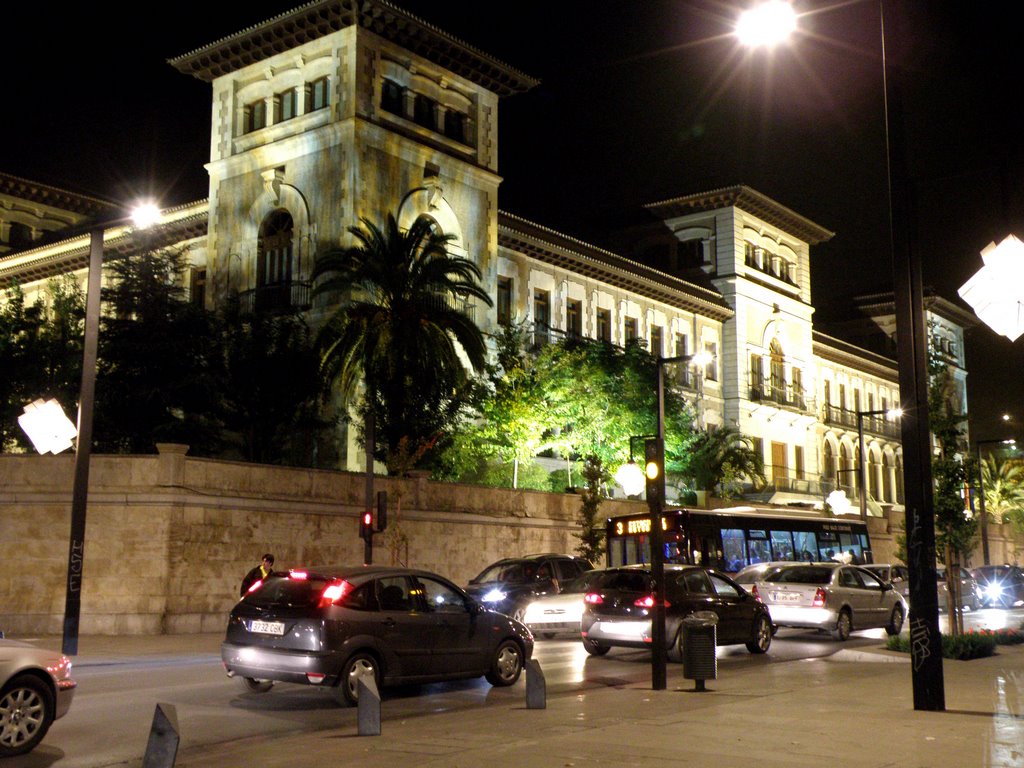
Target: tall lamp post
[[925, 641], [143, 216], [862, 474], [654, 451], [981, 494]]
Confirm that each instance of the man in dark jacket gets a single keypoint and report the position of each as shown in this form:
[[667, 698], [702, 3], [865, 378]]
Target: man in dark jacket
[[260, 572]]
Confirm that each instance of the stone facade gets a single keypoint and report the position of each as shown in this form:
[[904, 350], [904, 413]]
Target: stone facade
[[169, 537]]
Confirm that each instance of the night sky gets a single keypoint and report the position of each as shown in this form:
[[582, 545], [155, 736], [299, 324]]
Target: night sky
[[639, 100]]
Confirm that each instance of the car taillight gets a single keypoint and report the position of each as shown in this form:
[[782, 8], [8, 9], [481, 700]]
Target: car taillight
[[593, 598], [255, 585], [819, 598], [334, 592], [300, 575], [755, 593], [647, 601]]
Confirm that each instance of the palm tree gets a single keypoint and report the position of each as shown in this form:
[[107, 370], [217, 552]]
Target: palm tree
[[1004, 487], [721, 454], [402, 333]]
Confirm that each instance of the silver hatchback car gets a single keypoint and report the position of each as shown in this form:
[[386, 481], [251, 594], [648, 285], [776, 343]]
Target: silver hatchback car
[[36, 688], [834, 597]]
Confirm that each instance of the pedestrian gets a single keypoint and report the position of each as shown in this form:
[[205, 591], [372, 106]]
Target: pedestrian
[[260, 572]]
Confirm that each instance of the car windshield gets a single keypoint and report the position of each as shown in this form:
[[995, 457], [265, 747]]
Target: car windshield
[[801, 574], [750, 575], [579, 585], [507, 573]]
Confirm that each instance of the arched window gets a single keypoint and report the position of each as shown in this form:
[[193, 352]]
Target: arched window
[[828, 469], [900, 497], [778, 370], [888, 478], [274, 261], [872, 469], [842, 473]]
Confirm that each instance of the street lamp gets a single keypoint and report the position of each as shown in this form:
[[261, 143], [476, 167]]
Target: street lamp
[[630, 476], [657, 451], [47, 426], [142, 217], [981, 493], [893, 413], [995, 291], [912, 359]]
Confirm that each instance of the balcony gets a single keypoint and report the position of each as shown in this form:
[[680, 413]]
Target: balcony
[[276, 297], [878, 425], [783, 394]]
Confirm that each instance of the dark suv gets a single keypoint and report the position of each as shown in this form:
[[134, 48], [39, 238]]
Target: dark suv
[[1001, 586], [509, 585]]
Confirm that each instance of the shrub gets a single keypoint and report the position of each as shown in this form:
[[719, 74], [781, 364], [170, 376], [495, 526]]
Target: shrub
[[975, 644]]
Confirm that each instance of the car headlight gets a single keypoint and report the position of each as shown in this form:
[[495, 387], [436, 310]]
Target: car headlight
[[993, 591], [495, 596]]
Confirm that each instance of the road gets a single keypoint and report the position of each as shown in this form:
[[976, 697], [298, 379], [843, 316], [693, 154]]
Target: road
[[109, 722]]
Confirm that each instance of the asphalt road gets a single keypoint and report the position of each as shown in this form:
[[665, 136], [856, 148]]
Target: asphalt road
[[109, 722]]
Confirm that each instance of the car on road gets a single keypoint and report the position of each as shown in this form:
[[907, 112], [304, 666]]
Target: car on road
[[619, 607], [893, 573], [552, 615], [970, 595], [510, 584], [1000, 586], [329, 626], [751, 573], [36, 688], [834, 597]]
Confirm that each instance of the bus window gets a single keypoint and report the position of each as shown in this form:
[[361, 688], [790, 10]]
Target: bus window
[[806, 545], [782, 545], [733, 549], [758, 550]]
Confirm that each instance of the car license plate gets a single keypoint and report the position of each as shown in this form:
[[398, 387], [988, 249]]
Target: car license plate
[[786, 597], [267, 627]]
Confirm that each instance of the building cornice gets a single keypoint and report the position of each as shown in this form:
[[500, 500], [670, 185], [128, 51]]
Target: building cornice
[[179, 224], [746, 199], [53, 197], [320, 18], [850, 355], [551, 247], [884, 303]]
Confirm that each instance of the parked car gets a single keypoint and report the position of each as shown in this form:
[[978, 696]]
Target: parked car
[[551, 615], [509, 585], [970, 597], [835, 597], [895, 574], [751, 573], [328, 626], [36, 688], [620, 602], [1000, 586]]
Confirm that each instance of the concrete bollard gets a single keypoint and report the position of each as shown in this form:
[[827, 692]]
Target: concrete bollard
[[164, 737], [369, 707], [536, 687]]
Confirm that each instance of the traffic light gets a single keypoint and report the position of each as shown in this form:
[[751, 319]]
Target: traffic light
[[382, 510], [366, 525], [654, 472]]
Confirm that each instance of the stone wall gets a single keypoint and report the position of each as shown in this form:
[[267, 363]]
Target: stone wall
[[169, 537]]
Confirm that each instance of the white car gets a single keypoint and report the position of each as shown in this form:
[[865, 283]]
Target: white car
[[35, 689], [559, 614]]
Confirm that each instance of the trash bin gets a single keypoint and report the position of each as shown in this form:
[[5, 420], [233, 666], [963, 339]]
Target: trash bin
[[700, 638]]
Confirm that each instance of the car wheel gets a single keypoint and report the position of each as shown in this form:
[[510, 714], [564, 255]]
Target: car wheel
[[257, 686], [506, 665], [26, 713], [359, 664], [844, 625], [895, 621], [762, 636], [595, 648]]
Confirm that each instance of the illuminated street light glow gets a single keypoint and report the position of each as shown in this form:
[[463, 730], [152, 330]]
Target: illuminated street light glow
[[145, 215], [631, 478], [47, 426], [766, 25], [996, 291]]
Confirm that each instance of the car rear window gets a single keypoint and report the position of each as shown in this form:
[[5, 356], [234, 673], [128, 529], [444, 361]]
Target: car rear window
[[803, 574], [627, 581], [508, 573], [290, 592]]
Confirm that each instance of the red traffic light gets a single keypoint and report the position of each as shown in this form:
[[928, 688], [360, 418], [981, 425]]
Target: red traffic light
[[366, 525]]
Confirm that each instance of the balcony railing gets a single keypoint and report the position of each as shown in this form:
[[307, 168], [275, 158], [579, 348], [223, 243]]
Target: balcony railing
[[784, 394], [879, 425], [276, 297]]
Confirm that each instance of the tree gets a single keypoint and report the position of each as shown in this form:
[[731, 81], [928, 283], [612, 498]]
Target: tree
[[1004, 487], [592, 532], [718, 455], [158, 367], [400, 331], [270, 387]]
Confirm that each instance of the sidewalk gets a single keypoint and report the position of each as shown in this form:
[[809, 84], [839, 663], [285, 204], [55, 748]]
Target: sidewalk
[[854, 709]]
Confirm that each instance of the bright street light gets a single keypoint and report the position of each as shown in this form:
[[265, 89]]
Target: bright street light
[[766, 25], [47, 426], [996, 291]]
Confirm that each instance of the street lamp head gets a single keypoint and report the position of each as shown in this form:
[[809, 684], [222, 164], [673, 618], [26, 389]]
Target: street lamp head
[[702, 359], [766, 25], [46, 425], [145, 215], [631, 478], [894, 413], [994, 291]]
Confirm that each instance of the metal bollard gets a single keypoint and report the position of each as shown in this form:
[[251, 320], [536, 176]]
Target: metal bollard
[[162, 747], [536, 686], [369, 706]]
